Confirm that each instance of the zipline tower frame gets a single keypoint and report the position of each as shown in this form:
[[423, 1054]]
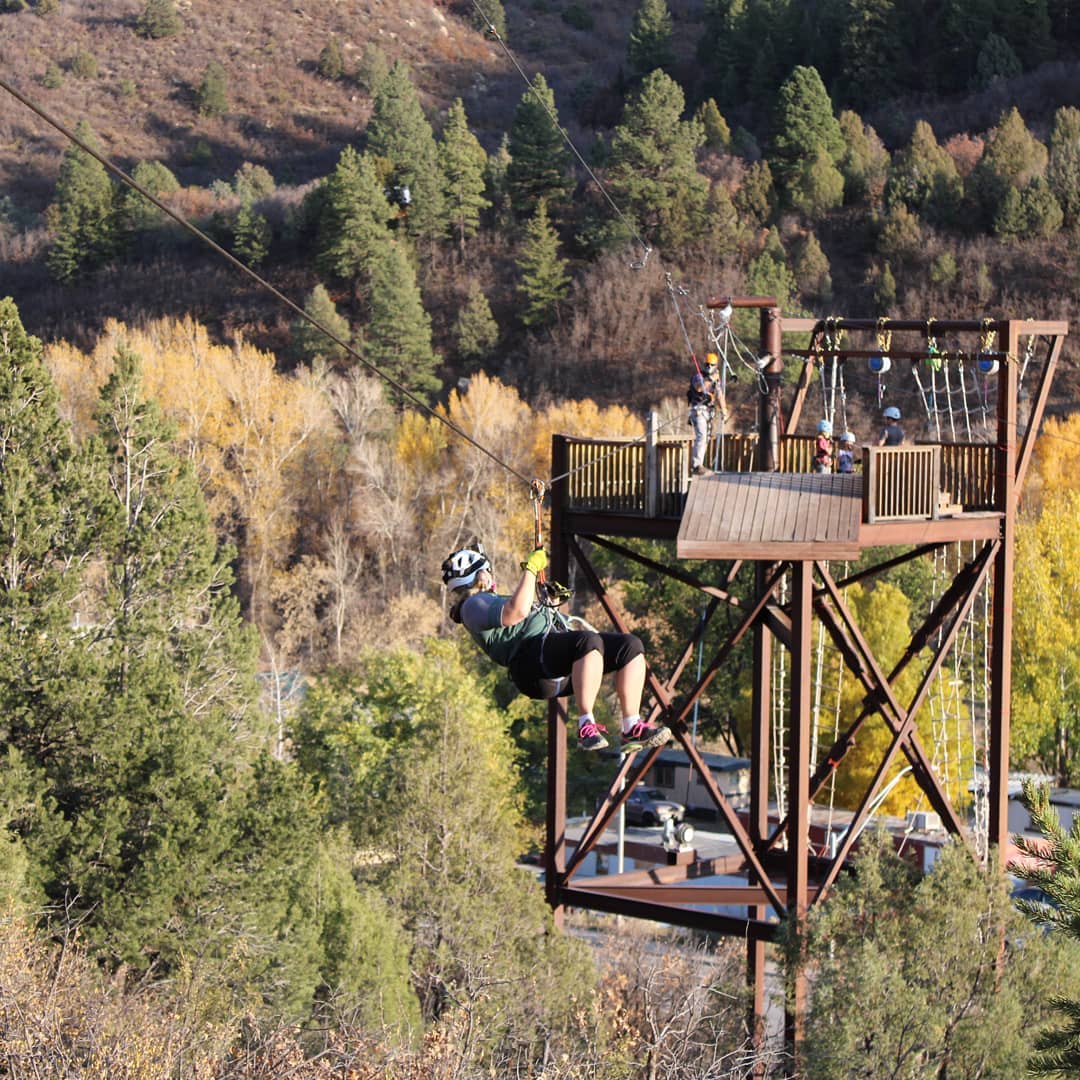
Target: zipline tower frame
[[785, 874]]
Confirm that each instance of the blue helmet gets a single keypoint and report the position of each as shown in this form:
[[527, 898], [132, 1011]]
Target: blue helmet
[[891, 412], [824, 427], [847, 437]]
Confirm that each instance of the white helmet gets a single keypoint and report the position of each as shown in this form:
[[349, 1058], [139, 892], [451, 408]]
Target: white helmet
[[460, 568]]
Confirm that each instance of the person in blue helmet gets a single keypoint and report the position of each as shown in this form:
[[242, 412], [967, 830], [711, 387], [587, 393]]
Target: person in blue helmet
[[823, 448], [544, 656], [845, 456], [892, 434]]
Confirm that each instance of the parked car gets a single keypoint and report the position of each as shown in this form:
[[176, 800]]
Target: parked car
[[650, 806]]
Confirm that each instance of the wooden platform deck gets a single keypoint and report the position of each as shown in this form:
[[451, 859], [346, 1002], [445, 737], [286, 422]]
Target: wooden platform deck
[[772, 516]]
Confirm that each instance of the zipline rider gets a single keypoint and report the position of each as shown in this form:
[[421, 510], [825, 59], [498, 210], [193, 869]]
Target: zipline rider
[[544, 656]]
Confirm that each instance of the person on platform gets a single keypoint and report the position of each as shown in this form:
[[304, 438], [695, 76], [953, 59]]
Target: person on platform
[[701, 398], [544, 657], [823, 448], [892, 434], [845, 456]]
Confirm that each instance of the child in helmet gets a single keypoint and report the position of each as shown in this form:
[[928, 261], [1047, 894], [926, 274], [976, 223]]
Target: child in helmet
[[823, 448], [701, 397], [543, 656], [892, 434], [845, 456]]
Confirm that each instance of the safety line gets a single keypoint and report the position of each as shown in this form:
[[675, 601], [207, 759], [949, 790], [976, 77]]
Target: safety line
[[262, 282]]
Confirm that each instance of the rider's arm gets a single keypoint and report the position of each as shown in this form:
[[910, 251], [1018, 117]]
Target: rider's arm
[[521, 600]]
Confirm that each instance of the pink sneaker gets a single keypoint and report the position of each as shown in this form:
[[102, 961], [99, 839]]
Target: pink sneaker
[[591, 737], [645, 736]]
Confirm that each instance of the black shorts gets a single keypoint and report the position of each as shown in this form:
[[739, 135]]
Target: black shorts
[[541, 669]]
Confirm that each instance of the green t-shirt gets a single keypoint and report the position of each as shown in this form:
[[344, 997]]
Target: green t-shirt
[[481, 615]]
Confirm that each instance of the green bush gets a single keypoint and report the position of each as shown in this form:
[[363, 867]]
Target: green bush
[[53, 78], [84, 65], [158, 20]]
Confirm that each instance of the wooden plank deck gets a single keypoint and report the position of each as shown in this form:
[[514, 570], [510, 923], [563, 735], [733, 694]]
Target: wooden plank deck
[[771, 516]]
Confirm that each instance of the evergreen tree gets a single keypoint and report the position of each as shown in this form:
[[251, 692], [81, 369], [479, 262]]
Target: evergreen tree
[[1042, 212], [251, 234], [352, 229], [475, 330], [544, 282], [159, 20], [81, 218], [900, 238], [539, 167], [400, 133], [817, 186], [715, 128], [331, 64], [869, 48], [864, 162], [909, 967], [1063, 168], [756, 197], [812, 270], [137, 213], [308, 341], [803, 124], [450, 818], [653, 171], [463, 163], [372, 68], [885, 290], [768, 273], [211, 98], [996, 61], [398, 338], [925, 178], [1013, 157], [1053, 866], [649, 45]]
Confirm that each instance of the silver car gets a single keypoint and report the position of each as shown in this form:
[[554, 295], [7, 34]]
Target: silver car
[[650, 806]]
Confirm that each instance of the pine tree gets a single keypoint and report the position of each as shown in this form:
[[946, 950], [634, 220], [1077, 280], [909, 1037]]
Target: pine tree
[[1043, 215], [539, 166], [812, 269], [251, 234], [653, 171], [308, 341], [372, 68], [817, 186], [52, 504], [864, 162], [649, 45], [1053, 866], [996, 61], [885, 290], [463, 163], [544, 282], [81, 218], [398, 338], [924, 178], [352, 228], [331, 64], [212, 96], [400, 133], [159, 20], [869, 49], [713, 125], [1063, 169], [475, 331], [137, 213], [756, 197], [803, 123], [1012, 158]]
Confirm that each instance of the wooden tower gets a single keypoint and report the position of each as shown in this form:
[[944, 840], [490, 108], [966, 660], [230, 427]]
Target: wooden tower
[[770, 521]]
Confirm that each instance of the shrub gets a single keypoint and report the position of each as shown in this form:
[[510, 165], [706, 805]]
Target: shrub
[[84, 65], [211, 96], [53, 78], [331, 64], [158, 20]]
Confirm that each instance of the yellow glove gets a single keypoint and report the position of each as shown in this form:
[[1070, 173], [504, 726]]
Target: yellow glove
[[536, 561]]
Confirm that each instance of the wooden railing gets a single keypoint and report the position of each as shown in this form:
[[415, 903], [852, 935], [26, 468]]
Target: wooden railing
[[625, 476], [967, 474], [901, 482]]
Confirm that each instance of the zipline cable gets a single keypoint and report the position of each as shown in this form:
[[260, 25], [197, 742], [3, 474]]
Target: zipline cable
[[119, 173]]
